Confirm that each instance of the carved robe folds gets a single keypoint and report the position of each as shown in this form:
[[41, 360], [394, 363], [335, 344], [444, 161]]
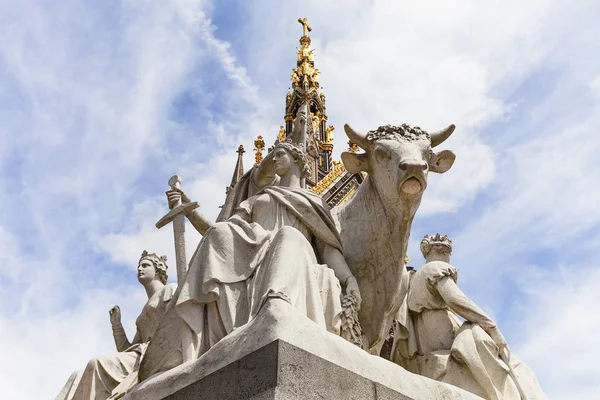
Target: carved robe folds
[[264, 250], [431, 341], [103, 374]]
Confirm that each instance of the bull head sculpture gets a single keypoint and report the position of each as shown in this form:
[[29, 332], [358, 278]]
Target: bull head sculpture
[[399, 158]]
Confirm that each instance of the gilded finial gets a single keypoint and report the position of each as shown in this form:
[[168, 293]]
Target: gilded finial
[[406, 260], [305, 27], [305, 76], [353, 147], [259, 145], [281, 134]]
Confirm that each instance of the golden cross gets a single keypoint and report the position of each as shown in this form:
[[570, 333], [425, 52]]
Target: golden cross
[[305, 27]]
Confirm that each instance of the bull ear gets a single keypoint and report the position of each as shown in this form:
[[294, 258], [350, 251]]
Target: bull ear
[[442, 161], [355, 163]]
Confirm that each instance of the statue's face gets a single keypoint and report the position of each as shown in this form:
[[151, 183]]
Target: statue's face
[[283, 162], [146, 271]]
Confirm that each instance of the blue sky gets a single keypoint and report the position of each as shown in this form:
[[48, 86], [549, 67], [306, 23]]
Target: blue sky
[[101, 103]]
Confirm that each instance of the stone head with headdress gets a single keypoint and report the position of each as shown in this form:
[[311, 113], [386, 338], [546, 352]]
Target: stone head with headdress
[[159, 263], [295, 144], [437, 243], [296, 153]]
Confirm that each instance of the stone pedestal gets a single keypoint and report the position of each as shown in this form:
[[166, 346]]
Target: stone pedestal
[[283, 371], [281, 354]]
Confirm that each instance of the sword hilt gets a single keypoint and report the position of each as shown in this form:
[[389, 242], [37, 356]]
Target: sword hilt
[[179, 208], [175, 182]]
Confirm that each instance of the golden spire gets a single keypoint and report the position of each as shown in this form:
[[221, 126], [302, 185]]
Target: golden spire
[[306, 90], [305, 76], [259, 145]]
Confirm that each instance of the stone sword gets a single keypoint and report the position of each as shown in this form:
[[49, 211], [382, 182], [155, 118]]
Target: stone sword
[[177, 216]]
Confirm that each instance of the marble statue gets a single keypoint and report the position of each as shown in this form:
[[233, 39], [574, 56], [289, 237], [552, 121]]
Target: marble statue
[[375, 224], [285, 298], [280, 243], [431, 340], [105, 375]]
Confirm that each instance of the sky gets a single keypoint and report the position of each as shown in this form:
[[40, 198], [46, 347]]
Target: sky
[[101, 102]]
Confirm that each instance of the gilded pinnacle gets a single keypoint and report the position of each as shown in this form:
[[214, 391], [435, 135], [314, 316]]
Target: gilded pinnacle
[[259, 145]]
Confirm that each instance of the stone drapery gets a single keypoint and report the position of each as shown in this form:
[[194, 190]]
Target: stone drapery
[[103, 374], [431, 341], [266, 248]]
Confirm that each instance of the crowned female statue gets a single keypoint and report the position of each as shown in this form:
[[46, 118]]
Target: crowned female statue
[[430, 340], [104, 374], [274, 240]]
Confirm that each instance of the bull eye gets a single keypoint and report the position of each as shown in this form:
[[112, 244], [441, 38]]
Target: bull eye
[[381, 155]]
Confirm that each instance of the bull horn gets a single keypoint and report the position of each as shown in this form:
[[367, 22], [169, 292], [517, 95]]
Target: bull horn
[[355, 137], [440, 136]]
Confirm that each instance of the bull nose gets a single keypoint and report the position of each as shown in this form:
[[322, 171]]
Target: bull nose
[[414, 166]]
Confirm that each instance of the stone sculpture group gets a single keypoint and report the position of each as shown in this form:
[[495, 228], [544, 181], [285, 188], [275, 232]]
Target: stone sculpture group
[[276, 241]]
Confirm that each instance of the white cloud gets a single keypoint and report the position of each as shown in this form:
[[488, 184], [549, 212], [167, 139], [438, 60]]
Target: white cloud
[[559, 328], [94, 89], [8, 255], [595, 86], [139, 233], [544, 192], [50, 347], [428, 64]]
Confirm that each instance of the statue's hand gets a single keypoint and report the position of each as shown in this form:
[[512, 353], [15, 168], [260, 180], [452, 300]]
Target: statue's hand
[[352, 289], [115, 316], [176, 195], [497, 337]]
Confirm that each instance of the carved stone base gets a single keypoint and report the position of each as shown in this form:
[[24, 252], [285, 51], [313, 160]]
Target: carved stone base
[[283, 371], [281, 354]]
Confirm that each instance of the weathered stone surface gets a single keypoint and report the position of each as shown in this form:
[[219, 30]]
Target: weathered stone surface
[[375, 224], [281, 241], [431, 341], [252, 375], [280, 370], [282, 354], [106, 374]]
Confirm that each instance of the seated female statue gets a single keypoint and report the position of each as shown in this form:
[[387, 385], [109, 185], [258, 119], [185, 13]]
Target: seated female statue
[[431, 341], [103, 374], [281, 242]]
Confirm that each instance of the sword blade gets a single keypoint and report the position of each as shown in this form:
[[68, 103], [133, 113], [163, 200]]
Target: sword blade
[[180, 255]]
